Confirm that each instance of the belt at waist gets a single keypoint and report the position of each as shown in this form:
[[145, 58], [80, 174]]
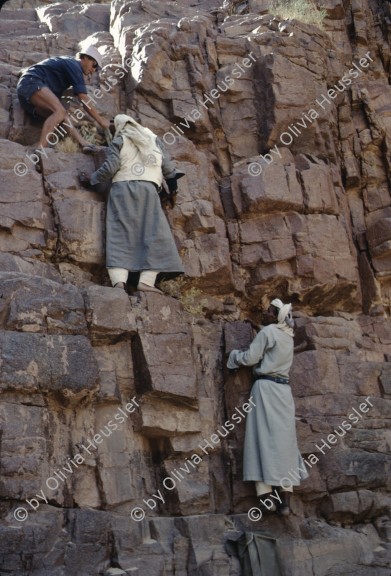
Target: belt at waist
[[277, 379]]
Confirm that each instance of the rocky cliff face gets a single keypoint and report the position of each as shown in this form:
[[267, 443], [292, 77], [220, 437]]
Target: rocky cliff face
[[108, 400]]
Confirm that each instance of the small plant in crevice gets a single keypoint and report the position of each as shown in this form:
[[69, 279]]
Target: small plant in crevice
[[68, 146], [201, 305], [189, 296], [304, 10], [193, 302], [236, 7]]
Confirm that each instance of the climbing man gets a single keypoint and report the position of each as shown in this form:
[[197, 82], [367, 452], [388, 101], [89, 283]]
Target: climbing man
[[270, 445], [41, 86], [138, 236]]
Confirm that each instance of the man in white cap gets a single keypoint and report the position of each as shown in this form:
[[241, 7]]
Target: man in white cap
[[41, 86], [270, 446]]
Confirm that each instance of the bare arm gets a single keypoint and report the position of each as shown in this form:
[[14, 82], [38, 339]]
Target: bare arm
[[85, 100]]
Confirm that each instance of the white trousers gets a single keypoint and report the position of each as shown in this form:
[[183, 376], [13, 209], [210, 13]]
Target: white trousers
[[262, 488], [148, 277], [117, 275], [121, 275]]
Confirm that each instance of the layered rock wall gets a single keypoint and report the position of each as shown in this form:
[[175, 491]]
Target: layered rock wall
[[108, 399]]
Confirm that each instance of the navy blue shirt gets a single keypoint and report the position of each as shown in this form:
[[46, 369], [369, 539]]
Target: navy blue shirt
[[59, 73]]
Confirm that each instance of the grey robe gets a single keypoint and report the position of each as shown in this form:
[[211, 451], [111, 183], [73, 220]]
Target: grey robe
[[138, 236], [270, 446]]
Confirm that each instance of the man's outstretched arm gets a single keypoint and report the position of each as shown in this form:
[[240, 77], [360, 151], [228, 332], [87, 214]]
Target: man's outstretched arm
[[86, 101]]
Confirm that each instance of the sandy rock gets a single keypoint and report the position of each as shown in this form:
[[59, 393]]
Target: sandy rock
[[75, 21], [163, 365], [109, 313], [49, 364]]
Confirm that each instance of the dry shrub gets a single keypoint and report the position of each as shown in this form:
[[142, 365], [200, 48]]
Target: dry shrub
[[191, 297], [68, 145], [303, 10], [236, 7]]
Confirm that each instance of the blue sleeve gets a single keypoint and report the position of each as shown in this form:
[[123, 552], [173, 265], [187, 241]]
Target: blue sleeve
[[168, 168], [76, 78], [111, 164]]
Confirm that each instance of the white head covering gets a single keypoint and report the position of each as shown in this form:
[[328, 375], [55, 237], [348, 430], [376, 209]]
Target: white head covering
[[143, 138], [93, 53], [277, 303], [285, 320]]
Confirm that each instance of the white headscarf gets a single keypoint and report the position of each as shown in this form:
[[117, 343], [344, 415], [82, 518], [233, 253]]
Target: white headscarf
[[143, 138], [285, 320]]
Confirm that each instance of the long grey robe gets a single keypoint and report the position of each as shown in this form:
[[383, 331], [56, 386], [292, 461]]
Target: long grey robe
[[138, 236], [270, 446]]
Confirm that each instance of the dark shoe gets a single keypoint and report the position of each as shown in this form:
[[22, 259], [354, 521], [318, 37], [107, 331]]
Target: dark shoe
[[283, 507], [270, 505], [146, 288]]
